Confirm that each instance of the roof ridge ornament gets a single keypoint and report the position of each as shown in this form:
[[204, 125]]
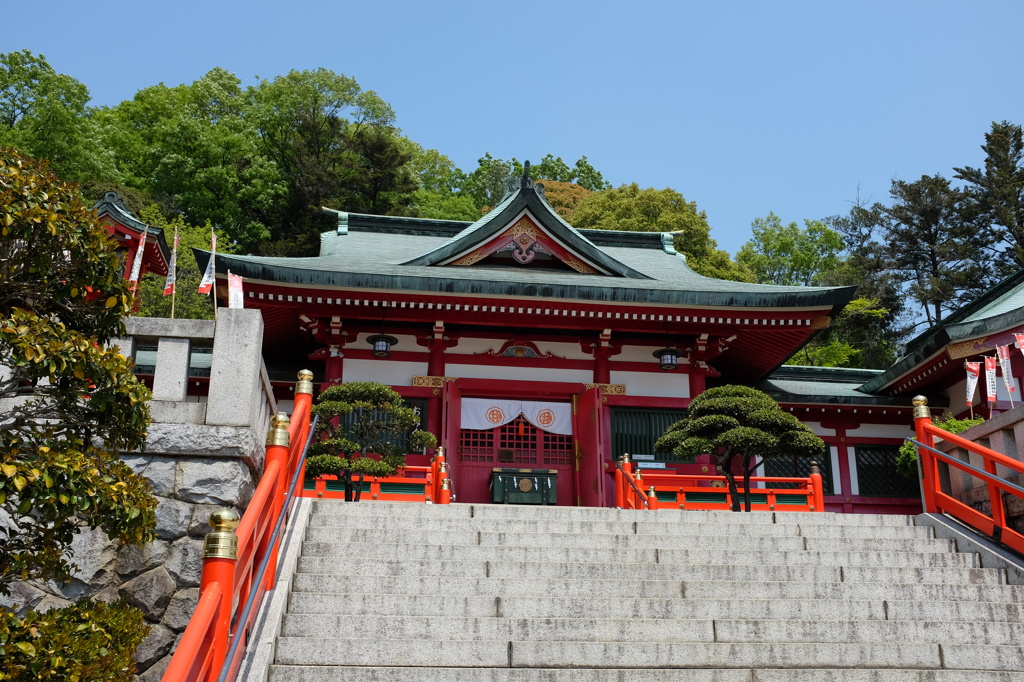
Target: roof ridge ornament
[[514, 183]]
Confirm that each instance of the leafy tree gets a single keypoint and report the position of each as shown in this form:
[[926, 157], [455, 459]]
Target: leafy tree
[[906, 460], [997, 192], [844, 343], [553, 168], [45, 114], [789, 256], [375, 176], [486, 184], [85, 641], [196, 150], [933, 245], [70, 404], [738, 424], [357, 419], [633, 209], [564, 197], [189, 304]]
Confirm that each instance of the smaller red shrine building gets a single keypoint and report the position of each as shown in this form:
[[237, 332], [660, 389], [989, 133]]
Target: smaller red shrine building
[[126, 229], [525, 342]]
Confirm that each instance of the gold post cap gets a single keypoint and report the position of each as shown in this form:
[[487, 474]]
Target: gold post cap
[[921, 408], [222, 543], [625, 457], [445, 485], [814, 468], [278, 433], [305, 382]]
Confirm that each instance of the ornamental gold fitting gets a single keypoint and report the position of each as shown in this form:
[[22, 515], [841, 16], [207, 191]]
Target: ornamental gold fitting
[[814, 468], [222, 543], [305, 382], [625, 458], [651, 493], [921, 408], [445, 485], [637, 474], [278, 433], [442, 467]]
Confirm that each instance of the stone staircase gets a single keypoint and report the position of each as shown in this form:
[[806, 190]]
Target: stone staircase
[[469, 593]]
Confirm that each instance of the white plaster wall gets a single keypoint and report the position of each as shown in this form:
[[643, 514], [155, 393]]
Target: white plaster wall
[[636, 354], [957, 395], [569, 351], [540, 374], [833, 453], [818, 429], [882, 430], [851, 458], [388, 372], [656, 384]]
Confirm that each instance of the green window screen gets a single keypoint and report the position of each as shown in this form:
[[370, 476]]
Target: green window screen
[[877, 476], [634, 430], [799, 467]]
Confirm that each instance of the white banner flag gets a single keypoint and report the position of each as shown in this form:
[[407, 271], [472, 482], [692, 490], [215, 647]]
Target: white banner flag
[[235, 291], [172, 269], [137, 262], [990, 379], [206, 285], [1004, 362], [973, 372]]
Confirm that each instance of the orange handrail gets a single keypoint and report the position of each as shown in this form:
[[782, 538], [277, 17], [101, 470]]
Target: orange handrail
[[230, 573], [629, 493], [938, 501]]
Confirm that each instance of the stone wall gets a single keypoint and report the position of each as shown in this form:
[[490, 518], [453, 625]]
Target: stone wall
[[199, 456]]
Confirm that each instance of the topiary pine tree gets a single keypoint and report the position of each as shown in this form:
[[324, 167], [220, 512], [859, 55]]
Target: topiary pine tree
[[358, 419], [738, 423]]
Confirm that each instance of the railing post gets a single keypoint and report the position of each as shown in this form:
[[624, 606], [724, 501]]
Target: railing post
[[652, 499], [303, 404], [441, 467], [638, 479], [278, 449], [446, 492], [923, 419], [817, 489], [620, 483], [220, 554]]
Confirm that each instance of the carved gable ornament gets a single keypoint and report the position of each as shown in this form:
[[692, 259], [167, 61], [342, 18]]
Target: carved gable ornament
[[525, 240]]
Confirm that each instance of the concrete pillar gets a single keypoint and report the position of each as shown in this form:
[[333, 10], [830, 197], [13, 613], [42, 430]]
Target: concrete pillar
[[235, 389], [170, 380]]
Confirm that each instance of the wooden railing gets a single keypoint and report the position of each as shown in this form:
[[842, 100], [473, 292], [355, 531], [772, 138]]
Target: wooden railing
[[240, 556], [654, 490], [938, 501], [412, 483]]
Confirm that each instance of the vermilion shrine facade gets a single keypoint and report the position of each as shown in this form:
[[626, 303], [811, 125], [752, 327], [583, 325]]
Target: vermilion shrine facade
[[528, 343]]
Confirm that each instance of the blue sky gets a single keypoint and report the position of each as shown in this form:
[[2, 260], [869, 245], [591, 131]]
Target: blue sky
[[744, 107]]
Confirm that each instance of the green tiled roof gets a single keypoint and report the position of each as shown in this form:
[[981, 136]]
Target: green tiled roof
[[825, 385], [998, 309]]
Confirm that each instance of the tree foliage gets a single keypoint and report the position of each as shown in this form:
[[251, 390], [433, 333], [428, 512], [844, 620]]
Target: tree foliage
[[630, 208], [996, 193], [788, 255], [79, 643], [70, 403], [361, 418], [738, 423]]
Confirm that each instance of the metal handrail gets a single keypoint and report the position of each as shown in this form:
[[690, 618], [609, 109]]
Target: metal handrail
[[971, 469], [242, 619]]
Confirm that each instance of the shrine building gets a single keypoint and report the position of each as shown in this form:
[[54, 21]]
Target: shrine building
[[525, 342]]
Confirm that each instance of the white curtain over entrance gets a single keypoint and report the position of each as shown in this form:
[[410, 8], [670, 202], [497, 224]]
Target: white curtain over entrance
[[482, 414]]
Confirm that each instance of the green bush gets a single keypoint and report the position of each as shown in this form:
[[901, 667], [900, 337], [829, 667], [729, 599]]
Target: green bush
[[906, 460], [85, 642]]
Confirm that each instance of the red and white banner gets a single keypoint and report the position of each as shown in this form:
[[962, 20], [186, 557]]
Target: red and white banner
[[483, 415], [137, 261], [1020, 341], [206, 285], [973, 372], [172, 269], [1004, 363], [990, 379], [235, 295]]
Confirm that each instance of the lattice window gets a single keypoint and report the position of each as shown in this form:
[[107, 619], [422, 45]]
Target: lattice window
[[557, 449], [800, 467], [476, 446], [520, 436], [877, 476], [517, 443]]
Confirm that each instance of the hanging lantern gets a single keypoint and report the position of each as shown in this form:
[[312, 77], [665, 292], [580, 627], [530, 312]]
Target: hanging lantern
[[668, 359], [381, 345]]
